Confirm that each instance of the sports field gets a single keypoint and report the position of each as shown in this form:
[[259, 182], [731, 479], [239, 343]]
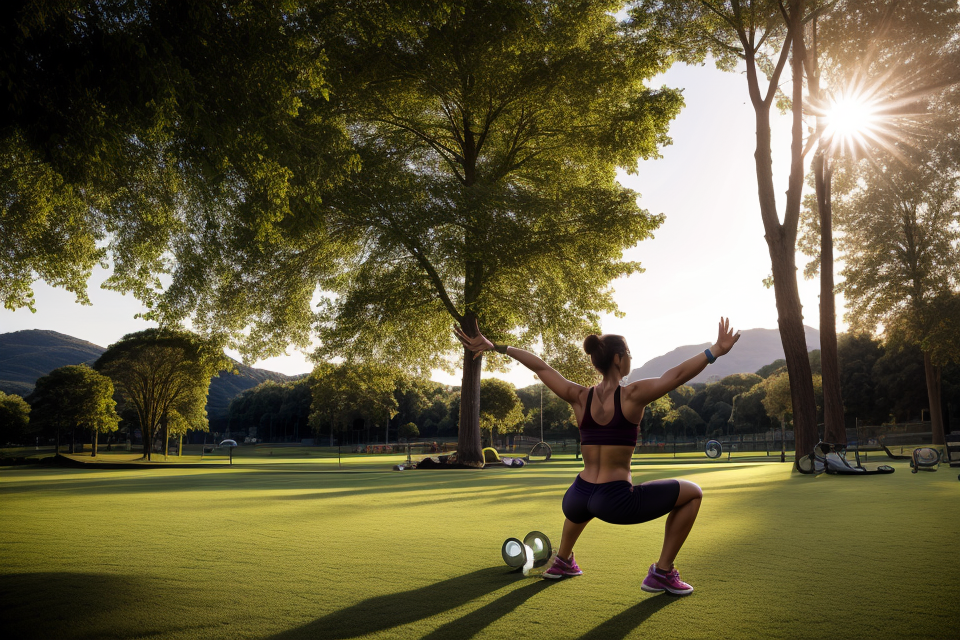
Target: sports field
[[301, 550]]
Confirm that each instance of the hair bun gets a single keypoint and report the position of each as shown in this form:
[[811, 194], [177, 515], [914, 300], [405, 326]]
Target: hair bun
[[592, 344]]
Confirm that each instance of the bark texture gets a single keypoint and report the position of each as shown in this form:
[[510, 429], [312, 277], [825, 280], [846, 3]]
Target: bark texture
[[932, 375], [833, 422]]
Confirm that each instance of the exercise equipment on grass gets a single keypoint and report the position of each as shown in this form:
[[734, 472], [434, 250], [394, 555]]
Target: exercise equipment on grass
[[832, 458], [713, 449], [534, 551], [540, 452], [925, 459]]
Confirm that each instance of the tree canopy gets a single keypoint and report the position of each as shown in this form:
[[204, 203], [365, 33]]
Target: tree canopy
[[133, 130], [74, 396], [14, 419], [500, 408], [164, 375]]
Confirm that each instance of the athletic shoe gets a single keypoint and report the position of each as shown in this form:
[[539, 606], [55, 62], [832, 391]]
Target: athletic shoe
[[656, 582], [562, 569]]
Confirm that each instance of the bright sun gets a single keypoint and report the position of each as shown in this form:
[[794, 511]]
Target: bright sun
[[848, 117], [851, 120]]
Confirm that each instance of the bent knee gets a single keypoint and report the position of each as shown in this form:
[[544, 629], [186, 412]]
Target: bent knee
[[689, 491]]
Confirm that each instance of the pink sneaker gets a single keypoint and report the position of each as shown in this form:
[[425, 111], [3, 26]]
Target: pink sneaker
[[656, 582], [562, 569]]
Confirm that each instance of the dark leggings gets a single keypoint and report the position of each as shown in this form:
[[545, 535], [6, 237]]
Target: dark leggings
[[620, 502]]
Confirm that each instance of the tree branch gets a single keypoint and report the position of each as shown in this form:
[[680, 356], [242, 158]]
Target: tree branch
[[784, 53]]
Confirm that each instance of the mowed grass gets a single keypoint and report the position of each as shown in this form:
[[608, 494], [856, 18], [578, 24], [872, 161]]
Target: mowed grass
[[303, 551]]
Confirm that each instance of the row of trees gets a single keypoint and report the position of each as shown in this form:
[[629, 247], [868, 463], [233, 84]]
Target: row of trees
[[156, 380], [347, 403], [880, 384]]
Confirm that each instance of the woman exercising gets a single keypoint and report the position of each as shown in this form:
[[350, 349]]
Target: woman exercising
[[609, 415]]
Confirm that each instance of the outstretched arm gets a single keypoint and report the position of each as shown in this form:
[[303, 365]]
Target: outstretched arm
[[569, 391], [645, 391]]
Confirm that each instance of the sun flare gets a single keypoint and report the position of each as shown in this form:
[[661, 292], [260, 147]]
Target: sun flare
[[851, 120]]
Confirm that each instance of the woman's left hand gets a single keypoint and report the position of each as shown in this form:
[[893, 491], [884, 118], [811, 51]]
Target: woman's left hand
[[726, 338], [477, 344]]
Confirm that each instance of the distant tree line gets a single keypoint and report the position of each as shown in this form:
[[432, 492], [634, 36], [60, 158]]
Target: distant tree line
[[350, 403], [151, 384]]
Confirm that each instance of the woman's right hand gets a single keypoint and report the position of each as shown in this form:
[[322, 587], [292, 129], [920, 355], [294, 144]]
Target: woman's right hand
[[477, 344]]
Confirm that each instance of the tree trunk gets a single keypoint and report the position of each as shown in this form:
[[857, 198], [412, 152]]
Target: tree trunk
[[781, 244], [932, 375], [73, 439], [833, 422], [166, 436], [180, 445], [469, 448], [96, 437]]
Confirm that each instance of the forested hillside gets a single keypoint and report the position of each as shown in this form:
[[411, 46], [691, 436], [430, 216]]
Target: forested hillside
[[25, 356]]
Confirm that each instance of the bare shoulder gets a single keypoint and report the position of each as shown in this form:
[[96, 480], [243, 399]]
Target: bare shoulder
[[578, 395], [641, 392]]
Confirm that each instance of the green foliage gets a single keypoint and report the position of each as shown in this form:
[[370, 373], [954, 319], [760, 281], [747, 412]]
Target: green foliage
[[163, 375], [490, 137], [347, 392], [748, 413], [863, 397], [500, 408], [899, 375], [777, 400], [655, 413], [273, 412], [696, 31], [682, 395], [684, 419], [14, 419], [558, 416], [126, 129], [901, 245], [74, 396], [409, 431], [768, 370]]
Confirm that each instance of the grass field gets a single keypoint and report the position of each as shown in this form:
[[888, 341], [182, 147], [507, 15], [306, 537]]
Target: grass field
[[293, 548]]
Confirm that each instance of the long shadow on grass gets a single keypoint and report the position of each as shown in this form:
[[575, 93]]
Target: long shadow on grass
[[386, 612], [623, 623], [84, 605]]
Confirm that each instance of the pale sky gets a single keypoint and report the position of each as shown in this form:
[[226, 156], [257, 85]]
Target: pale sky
[[707, 259]]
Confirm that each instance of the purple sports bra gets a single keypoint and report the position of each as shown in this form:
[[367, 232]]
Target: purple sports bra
[[618, 431]]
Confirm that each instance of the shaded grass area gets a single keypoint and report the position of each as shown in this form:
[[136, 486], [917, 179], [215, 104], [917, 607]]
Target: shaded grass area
[[296, 552]]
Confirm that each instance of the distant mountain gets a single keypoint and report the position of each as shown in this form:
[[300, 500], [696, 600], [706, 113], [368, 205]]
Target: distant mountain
[[756, 348], [25, 356]]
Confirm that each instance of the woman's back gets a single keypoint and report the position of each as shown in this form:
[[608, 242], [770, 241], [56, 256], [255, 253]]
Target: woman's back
[[608, 434]]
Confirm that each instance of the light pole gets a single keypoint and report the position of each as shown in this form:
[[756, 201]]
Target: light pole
[[541, 405]]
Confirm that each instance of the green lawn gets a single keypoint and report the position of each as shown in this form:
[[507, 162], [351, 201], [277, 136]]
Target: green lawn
[[299, 550]]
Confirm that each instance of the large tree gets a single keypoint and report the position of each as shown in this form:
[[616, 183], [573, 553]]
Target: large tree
[[71, 397], [901, 245], [759, 37], [164, 375], [489, 133]]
